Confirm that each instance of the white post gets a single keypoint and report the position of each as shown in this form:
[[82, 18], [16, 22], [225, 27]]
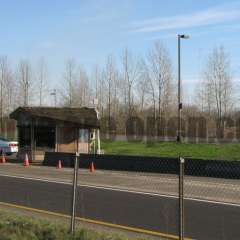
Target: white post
[[98, 131], [98, 139]]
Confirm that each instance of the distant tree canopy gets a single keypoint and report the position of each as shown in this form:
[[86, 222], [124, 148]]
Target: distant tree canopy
[[125, 87]]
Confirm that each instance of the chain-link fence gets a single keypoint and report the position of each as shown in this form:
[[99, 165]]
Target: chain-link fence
[[173, 197], [169, 198], [212, 199], [130, 192]]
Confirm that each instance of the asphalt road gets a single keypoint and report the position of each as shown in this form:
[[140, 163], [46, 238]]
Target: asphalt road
[[212, 189], [204, 219]]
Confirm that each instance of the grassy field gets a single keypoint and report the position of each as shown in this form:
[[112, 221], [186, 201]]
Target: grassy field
[[171, 149], [15, 227]]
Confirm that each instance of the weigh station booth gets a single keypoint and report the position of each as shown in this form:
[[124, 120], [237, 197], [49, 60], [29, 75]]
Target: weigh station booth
[[52, 129]]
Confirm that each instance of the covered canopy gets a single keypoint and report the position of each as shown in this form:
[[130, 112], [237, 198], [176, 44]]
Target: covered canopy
[[84, 117]]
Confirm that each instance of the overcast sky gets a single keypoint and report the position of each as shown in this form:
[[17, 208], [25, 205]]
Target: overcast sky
[[89, 30]]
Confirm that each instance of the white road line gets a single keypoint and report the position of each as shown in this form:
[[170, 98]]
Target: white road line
[[121, 190], [152, 176], [36, 179]]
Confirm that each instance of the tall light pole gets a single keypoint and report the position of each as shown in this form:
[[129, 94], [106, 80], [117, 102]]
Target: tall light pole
[[180, 36]]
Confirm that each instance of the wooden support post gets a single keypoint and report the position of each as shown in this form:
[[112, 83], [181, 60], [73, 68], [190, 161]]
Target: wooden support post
[[32, 141], [56, 138]]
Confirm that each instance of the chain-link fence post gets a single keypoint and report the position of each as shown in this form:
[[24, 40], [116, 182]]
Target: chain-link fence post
[[74, 192], [181, 198]]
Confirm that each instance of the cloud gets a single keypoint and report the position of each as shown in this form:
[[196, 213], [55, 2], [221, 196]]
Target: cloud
[[210, 16]]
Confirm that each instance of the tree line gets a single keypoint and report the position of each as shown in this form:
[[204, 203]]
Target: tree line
[[122, 87]]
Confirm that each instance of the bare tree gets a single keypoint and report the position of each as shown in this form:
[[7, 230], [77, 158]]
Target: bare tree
[[99, 86], [203, 97], [218, 82], [116, 92], [152, 92], [42, 73], [217, 87], [161, 74], [96, 80], [70, 81], [131, 73], [10, 92], [4, 76], [82, 91], [109, 82], [101, 91], [25, 81], [146, 90]]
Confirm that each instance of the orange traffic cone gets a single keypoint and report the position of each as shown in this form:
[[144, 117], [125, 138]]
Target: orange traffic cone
[[26, 161], [92, 167], [3, 158], [59, 164]]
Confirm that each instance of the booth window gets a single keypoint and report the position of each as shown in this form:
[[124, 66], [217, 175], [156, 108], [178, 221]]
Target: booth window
[[83, 135]]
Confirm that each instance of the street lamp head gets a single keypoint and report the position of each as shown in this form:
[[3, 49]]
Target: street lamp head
[[184, 36]]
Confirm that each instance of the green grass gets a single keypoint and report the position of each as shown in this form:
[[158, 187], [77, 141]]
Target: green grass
[[171, 149], [15, 227]]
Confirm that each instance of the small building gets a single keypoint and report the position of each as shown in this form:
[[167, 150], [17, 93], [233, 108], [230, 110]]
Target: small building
[[51, 129]]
